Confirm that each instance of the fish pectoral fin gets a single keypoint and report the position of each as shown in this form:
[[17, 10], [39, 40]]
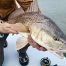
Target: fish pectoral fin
[[60, 55]]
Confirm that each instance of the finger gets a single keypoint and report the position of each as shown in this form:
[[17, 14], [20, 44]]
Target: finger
[[32, 44], [13, 31], [9, 30], [35, 45], [42, 49], [38, 47], [6, 24]]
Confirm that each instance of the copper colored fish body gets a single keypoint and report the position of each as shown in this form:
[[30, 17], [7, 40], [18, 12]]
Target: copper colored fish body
[[44, 31]]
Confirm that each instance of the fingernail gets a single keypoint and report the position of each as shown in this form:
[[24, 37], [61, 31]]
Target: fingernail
[[42, 49]]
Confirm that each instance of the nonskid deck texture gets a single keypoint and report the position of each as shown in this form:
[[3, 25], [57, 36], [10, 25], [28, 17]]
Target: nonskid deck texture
[[11, 55]]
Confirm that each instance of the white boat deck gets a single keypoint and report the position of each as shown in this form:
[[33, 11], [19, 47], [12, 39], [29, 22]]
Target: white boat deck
[[11, 55]]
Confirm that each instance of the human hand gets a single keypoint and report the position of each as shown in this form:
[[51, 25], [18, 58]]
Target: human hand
[[20, 27], [7, 28], [35, 45]]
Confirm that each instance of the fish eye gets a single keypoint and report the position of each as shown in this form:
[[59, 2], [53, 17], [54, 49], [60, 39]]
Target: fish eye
[[56, 39]]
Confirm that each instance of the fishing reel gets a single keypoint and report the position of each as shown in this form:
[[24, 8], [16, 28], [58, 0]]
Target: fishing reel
[[46, 62]]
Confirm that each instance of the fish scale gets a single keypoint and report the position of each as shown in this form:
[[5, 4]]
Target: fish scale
[[44, 31]]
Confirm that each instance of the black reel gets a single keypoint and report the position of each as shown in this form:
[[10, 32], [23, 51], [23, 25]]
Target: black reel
[[45, 61]]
